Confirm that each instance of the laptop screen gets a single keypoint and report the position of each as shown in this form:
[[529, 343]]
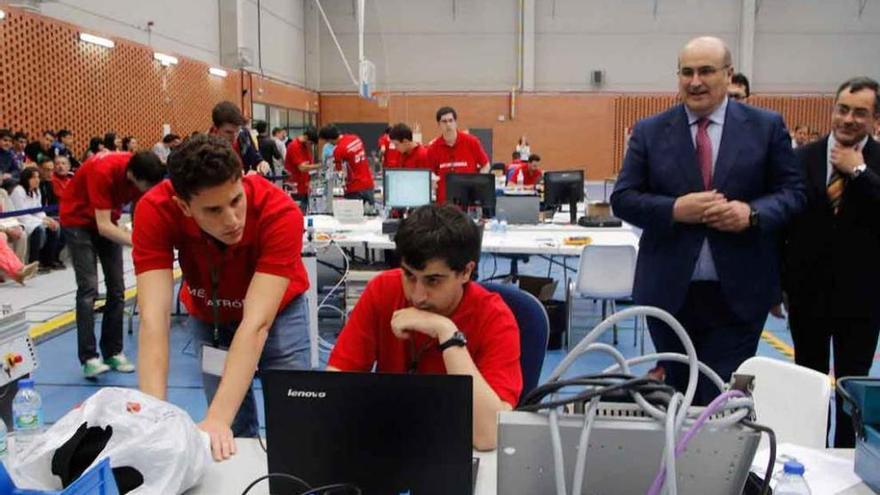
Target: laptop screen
[[385, 433]]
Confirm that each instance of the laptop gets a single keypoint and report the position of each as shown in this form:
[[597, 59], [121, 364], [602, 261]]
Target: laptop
[[518, 210], [348, 210], [389, 434]]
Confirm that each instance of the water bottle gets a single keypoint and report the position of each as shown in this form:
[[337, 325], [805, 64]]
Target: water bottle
[[792, 480], [519, 179], [309, 248], [27, 415]]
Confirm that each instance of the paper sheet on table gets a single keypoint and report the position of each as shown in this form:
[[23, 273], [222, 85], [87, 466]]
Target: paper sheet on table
[[825, 473]]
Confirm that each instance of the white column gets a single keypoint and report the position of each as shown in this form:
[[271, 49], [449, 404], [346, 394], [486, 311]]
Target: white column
[[527, 45], [747, 38]]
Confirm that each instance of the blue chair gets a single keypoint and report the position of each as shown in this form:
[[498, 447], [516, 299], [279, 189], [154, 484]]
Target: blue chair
[[534, 330]]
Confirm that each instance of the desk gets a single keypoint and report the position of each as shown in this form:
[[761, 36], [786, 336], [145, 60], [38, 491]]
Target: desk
[[232, 476]]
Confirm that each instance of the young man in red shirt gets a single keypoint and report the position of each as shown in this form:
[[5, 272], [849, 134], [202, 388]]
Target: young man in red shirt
[[228, 123], [350, 153], [527, 174], [454, 152], [515, 162], [388, 152], [90, 208], [429, 317], [238, 241], [412, 155], [298, 162]]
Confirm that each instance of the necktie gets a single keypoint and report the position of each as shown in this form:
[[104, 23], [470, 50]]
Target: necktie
[[835, 190], [704, 152]]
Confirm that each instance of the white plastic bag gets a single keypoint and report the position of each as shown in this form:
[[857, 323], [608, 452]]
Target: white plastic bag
[[158, 439]]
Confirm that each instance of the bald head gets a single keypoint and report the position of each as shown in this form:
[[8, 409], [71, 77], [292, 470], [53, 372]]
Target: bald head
[[704, 72]]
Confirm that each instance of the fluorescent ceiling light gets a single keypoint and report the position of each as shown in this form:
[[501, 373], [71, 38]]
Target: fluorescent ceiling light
[[217, 72], [166, 60], [97, 40]]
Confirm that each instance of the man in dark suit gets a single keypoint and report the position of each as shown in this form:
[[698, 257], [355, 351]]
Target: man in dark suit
[[831, 266], [711, 182]]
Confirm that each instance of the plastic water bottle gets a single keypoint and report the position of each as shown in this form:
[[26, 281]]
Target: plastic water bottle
[[792, 481], [27, 414], [309, 248], [519, 179]]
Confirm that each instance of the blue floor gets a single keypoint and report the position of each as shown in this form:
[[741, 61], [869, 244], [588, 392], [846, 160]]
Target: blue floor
[[62, 386]]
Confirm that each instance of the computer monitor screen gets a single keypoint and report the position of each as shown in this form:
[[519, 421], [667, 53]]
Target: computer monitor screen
[[407, 188], [466, 190], [563, 187]]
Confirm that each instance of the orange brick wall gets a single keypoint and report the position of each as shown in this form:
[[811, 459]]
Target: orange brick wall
[[51, 80], [569, 130]]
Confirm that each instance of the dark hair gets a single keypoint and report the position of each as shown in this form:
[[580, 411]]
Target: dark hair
[[311, 134], [146, 166], [329, 132], [110, 141], [126, 141], [858, 84], [33, 150], [25, 177], [170, 138], [438, 232], [444, 110], [276, 130], [516, 155], [49, 132], [19, 135], [63, 133], [202, 161], [261, 126], [400, 132], [740, 79], [5, 133], [43, 158], [388, 129], [534, 157], [226, 112], [94, 144]]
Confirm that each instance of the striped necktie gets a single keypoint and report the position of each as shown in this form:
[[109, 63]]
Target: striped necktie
[[835, 190]]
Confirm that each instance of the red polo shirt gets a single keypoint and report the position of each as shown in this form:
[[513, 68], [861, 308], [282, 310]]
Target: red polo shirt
[[297, 153], [530, 178], [59, 184], [488, 324], [99, 184], [390, 157], [416, 158], [464, 157], [512, 165], [350, 151], [271, 243]]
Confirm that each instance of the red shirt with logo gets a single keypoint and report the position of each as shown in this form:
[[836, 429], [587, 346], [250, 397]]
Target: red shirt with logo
[[271, 243], [416, 158], [99, 184], [350, 153], [530, 177], [491, 331], [512, 165], [390, 157], [297, 153], [464, 157]]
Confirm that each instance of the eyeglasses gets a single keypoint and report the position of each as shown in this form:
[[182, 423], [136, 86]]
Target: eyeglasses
[[857, 113], [736, 96], [704, 71]]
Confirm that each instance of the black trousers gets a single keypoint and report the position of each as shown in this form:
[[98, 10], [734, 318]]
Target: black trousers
[[854, 341], [722, 339]]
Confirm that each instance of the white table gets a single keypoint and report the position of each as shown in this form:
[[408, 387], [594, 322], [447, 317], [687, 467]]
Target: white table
[[232, 476]]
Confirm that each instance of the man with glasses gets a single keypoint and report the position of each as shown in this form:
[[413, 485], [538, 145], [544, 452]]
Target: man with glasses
[[454, 151], [830, 258], [711, 182], [738, 89]]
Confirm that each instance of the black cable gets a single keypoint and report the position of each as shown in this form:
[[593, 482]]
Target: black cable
[[590, 394], [262, 445], [765, 486], [277, 475], [336, 486], [600, 379]]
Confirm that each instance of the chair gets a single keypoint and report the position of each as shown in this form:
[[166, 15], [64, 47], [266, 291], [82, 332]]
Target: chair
[[790, 399], [605, 273], [534, 330]]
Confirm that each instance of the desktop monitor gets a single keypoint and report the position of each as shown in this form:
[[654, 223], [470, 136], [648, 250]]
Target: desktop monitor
[[407, 188], [466, 190], [564, 187], [385, 433]]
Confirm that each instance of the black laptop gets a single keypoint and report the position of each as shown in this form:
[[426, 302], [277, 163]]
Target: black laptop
[[389, 434]]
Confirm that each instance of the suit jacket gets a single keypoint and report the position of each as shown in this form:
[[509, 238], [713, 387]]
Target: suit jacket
[[755, 164], [832, 262]]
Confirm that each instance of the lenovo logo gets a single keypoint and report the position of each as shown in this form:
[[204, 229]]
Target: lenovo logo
[[305, 394]]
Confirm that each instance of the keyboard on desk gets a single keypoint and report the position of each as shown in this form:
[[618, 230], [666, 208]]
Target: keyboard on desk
[[599, 221]]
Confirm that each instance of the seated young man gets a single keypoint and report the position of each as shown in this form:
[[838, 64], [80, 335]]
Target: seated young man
[[238, 242], [429, 317]]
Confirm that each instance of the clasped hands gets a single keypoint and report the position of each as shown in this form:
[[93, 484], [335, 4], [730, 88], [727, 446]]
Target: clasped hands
[[712, 209]]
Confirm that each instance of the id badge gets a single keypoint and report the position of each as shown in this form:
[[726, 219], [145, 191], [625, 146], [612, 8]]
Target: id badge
[[213, 360]]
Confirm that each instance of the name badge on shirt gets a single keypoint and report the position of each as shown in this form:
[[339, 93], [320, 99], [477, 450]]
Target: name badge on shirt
[[213, 360]]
